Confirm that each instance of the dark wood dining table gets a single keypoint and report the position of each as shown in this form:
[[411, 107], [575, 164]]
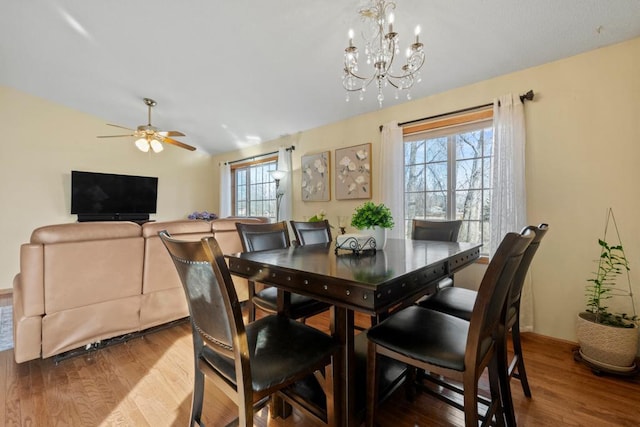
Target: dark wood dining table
[[370, 282]]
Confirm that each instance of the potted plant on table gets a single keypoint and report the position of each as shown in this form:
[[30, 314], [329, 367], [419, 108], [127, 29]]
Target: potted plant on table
[[608, 341], [320, 216], [376, 218]]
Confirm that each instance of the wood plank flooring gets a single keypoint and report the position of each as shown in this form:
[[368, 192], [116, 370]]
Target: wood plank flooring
[[148, 381]]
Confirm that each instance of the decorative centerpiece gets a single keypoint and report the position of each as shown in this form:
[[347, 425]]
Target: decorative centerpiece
[[375, 219], [204, 215], [356, 243]]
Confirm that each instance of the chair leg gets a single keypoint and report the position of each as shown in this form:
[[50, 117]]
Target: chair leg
[[245, 413], [251, 307], [372, 384], [410, 383], [517, 350], [196, 398], [504, 387], [497, 374], [330, 398], [470, 396]]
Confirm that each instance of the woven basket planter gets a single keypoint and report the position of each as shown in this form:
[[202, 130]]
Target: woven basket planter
[[607, 346]]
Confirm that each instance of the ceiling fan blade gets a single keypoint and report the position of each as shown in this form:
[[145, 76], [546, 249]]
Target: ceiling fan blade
[[118, 126], [171, 133], [178, 143], [113, 136]]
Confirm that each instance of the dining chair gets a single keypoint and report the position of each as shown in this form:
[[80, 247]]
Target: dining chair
[[444, 345], [443, 231], [311, 233], [459, 302], [248, 363], [260, 237]]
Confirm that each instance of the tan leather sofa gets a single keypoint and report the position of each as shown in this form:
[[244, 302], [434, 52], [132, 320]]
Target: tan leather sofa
[[81, 283]]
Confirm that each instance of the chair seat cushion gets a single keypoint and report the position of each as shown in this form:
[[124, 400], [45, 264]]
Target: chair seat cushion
[[426, 335], [457, 302], [301, 306], [280, 349]]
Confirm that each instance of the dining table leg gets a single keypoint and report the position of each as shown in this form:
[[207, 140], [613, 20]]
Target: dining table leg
[[342, 329]]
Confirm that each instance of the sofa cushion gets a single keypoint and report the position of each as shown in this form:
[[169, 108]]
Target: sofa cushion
[[83, 231], [179, 227], [82, 273], [159, 271]]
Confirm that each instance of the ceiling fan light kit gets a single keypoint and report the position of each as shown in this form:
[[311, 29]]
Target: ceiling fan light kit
[[149, 137], [143, 145]]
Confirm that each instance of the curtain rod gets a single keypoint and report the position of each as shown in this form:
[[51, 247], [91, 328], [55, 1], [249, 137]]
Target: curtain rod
[[524, 97], [292, 148]]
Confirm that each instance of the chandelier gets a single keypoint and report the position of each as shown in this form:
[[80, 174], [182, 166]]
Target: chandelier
[[381, 49]]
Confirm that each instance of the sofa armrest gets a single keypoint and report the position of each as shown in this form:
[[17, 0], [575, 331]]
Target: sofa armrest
[[31, 279], [27, 330]]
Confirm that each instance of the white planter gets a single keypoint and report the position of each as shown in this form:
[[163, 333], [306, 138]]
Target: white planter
[[380, 234], [607, 346]]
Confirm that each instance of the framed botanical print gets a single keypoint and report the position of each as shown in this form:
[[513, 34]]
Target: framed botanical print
[[315, 177], [353, 172]]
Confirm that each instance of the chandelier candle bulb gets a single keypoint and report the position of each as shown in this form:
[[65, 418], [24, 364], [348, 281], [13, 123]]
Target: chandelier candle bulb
[[391, 23]]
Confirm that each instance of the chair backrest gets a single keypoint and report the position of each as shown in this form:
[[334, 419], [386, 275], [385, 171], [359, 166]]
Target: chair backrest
[[444, 231], [518, 280], [489, 309], [215, 312], [310, 233], [261, 237]]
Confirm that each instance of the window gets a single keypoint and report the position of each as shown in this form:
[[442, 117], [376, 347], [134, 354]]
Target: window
[[448, 173], [254, 191]]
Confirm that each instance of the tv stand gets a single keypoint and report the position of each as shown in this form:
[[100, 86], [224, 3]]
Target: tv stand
[[138, 218]]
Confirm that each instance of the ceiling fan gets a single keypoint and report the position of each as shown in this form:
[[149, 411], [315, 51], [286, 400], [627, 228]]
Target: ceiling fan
[[150, 137]]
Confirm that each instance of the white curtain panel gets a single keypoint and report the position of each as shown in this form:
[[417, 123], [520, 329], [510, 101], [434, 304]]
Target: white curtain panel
[[508, 200], [286, 184], [225, 190], [392, 177]]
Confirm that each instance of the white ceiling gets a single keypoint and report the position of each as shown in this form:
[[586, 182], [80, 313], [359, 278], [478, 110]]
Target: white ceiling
[[234, 73]]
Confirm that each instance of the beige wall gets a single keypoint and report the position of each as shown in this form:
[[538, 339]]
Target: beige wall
[[583, 149], [42, 142]]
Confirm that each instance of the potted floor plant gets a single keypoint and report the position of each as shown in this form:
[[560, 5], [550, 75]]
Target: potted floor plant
[[609, 340], [374, 218]]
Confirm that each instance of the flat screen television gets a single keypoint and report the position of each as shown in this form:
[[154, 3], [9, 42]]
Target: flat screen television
[[111, 197]]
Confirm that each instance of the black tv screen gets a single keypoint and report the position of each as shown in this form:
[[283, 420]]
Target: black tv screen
[[95, 193]]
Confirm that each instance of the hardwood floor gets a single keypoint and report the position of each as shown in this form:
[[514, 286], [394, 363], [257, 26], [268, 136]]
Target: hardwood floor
[[148, 381]]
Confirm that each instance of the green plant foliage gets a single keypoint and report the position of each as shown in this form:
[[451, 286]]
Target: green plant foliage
[[319, 216], [369, 215], [611, 265]]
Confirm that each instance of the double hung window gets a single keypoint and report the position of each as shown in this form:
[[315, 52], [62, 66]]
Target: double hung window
[[447, 168], [254, 190]]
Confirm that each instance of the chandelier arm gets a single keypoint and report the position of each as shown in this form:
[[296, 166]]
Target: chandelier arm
[[351, 73], [365, 83], [407, 74], [392, 83]]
